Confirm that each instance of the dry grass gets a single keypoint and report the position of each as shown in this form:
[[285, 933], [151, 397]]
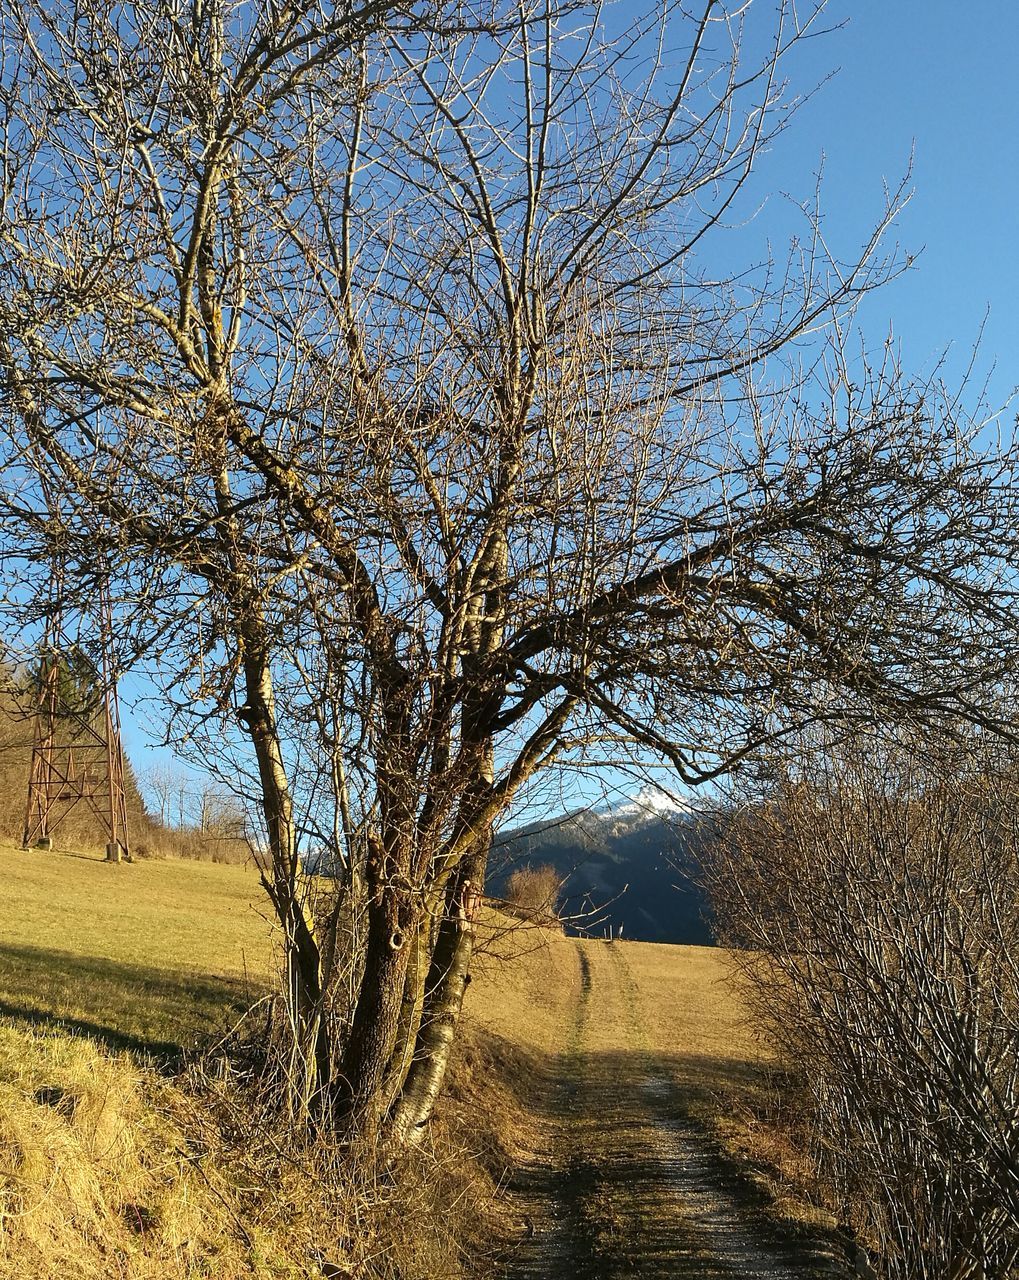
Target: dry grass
[[156, 954], [526, 984], [695, 1021], [109, 1167], [111, 1170], [122, 1173], [98, 1176], [105, 1166], [682, 997]]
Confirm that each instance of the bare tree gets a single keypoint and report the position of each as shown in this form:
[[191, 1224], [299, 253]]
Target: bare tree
[[380, 361], [163, 782], [875, 897]]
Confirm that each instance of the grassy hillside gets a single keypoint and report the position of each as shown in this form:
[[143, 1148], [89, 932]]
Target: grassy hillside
[[130, 1173], [153, 955]]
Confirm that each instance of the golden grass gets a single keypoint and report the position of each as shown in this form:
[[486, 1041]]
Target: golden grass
[[153, 954], [526, 984], [675, 1002], [97, 1176], [694, 1019], [163, 952], [108, 1167]]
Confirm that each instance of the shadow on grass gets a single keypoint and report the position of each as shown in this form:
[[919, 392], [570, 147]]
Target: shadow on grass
[[71, 851], [154, 1012]]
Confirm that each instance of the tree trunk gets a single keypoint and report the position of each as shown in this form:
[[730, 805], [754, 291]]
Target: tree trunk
[[309, 1063], [311, 1055], [358, 1091], [411, 1011], [448, 978]]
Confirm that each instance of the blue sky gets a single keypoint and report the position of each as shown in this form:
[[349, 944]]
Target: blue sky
[[939, 79], [929, 77]]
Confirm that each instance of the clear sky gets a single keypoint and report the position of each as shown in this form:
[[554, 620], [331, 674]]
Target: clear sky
[[938, 79], [934, 78]]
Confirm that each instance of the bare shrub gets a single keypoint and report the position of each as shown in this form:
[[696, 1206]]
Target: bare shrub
[[533, 892], [877, 902]]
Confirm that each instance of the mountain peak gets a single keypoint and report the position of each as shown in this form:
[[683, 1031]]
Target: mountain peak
[[632, 864], [650, 802]]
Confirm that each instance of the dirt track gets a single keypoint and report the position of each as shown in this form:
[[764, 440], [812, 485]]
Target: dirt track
[[622, 1181]]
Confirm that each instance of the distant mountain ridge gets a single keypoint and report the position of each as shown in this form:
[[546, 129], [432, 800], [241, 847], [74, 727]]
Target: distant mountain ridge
[[632, 865]]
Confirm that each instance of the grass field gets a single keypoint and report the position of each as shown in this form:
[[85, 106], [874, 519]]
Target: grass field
[[106, 1163], [151, 956], [680, 996], [160, 954]]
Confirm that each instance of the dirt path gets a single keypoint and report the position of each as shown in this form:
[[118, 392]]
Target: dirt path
[[622, 1181]]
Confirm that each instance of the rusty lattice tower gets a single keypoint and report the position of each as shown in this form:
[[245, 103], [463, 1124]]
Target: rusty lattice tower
[[77, 755]]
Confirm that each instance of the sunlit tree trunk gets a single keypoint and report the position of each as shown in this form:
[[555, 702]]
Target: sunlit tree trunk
[[308, 1069], [442, 1005]]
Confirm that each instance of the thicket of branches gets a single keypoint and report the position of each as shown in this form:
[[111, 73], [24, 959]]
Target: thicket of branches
[[533, 892], [875, 902], [379, 354]]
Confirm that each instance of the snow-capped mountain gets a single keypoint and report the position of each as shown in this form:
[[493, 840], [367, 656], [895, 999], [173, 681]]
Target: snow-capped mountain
[[650, 802], [631, 864]]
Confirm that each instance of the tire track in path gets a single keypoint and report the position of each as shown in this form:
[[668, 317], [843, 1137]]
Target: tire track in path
[[548, 1196], [622, 1182]]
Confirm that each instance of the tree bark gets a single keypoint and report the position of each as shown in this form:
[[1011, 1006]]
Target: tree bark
[[447, 982], [411, 1010], [358, 1090], [309, 1068]]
